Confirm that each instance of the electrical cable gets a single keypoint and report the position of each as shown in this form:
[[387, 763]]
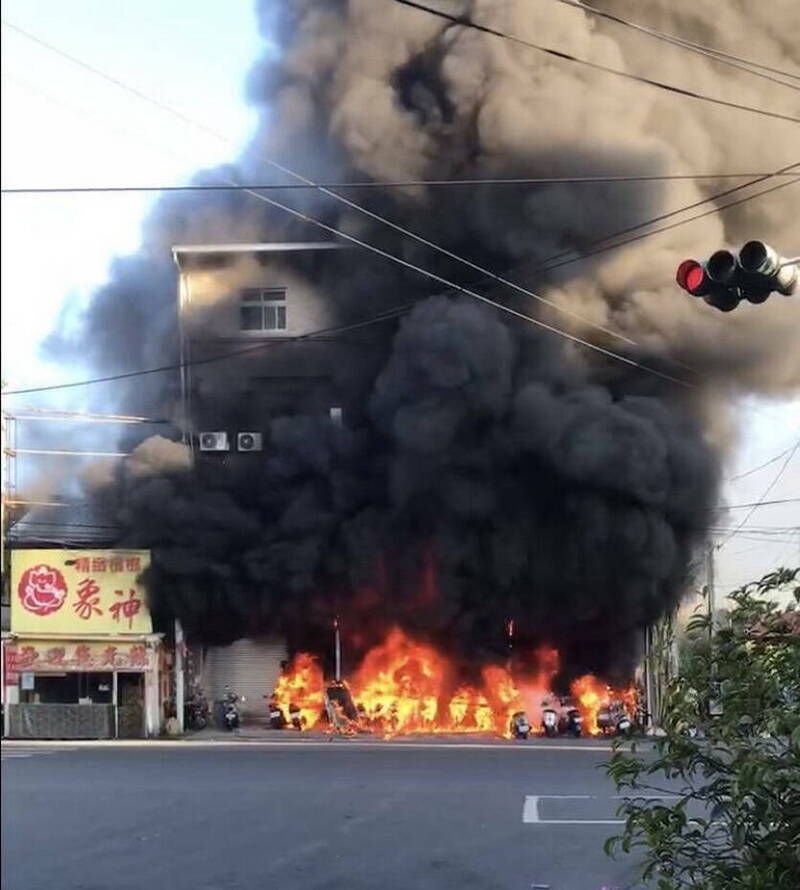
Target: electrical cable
[[377, 184], [368, 246], [722, 58], [313, 335], [590, 253], [752, 470], [347, 202], [761, 501], [663, 216], [467, 22]]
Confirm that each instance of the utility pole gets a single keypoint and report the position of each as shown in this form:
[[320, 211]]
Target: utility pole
[[338, 649], [179, 674], [710, 588]]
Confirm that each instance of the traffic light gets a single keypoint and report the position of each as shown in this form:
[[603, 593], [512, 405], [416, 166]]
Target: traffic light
[[724, 279]]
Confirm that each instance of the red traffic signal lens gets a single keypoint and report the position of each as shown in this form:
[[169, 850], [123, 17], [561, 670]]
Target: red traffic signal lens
[[691, 276]]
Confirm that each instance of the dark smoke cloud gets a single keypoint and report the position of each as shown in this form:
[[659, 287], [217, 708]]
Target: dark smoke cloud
[[484, 471], [529, 492]]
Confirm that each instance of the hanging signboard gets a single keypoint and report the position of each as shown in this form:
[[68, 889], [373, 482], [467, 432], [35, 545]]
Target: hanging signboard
[[54, 656], [79, 592]]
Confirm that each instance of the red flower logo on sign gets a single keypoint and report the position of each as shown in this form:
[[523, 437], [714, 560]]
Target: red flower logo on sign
[[42, 590]]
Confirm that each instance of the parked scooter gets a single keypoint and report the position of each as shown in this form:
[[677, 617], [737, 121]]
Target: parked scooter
[[196, 711], [572, 721], [520, 727], [295, 717], [550, 721], [275, 715], [230, 709]]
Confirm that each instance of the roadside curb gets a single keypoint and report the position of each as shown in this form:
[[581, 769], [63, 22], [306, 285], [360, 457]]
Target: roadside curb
[[329, 743]]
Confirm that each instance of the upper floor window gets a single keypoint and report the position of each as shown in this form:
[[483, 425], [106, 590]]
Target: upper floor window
[[263, 309]]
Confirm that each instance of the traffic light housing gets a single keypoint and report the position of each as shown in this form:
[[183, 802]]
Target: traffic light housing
[[725, 279]]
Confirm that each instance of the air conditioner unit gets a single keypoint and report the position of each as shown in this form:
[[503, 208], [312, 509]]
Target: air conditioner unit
[[214, 441], [249, 442]]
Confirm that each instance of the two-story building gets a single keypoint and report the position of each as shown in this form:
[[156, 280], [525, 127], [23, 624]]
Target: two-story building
[[256, 341]]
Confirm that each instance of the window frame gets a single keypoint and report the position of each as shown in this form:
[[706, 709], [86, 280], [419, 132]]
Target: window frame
[[266, 298]]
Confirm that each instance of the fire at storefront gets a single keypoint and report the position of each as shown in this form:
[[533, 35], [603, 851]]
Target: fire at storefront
[[402, 686], [394, 435], [81, 659]]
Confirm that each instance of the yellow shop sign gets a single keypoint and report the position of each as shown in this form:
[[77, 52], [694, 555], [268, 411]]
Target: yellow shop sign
[[79, 592]]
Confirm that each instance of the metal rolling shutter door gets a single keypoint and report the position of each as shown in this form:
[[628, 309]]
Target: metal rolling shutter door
[[250, 667]]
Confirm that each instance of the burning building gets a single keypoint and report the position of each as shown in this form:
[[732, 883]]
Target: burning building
[[355, 439]]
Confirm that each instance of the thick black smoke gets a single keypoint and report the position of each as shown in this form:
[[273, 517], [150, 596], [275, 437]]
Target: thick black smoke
[[485, 470], [488, 479]]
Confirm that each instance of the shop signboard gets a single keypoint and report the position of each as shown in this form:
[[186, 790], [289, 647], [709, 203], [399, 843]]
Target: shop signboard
[[50, 656], [79, 592]]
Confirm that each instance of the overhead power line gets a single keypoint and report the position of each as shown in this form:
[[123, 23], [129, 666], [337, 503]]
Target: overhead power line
[[373, 248], [467, 22], [761, 501], [586, 254], [175, 366], [353, 205], [708, 52], [340, 198], [768, 463], [378, 184], [333, 230]]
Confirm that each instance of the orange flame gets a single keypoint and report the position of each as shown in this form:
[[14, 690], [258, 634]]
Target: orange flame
[[302, 687], [405, 686]]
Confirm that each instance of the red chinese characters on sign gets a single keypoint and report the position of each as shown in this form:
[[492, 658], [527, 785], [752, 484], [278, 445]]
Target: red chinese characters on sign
[[128, 608], [27, 656], [99, 564], [87, 599], [56, 655], [133, 564], [116, 564], [137, 657], [83, 655], [42, 590], [83, 565], [109, 656]]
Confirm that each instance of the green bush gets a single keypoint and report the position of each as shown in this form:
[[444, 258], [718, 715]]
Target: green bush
[[731, 749]]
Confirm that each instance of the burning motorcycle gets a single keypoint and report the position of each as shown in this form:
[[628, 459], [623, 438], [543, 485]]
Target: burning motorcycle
[[230, 709], [295, 717], [275, 716], [572, 721], [520, 727], [550, 721]]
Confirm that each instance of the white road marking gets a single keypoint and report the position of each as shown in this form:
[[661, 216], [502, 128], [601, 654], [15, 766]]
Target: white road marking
[[530, 809], [12, 751], [531, 815]]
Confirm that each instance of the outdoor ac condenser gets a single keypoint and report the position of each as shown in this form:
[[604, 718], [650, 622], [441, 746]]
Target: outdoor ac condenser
[[214, 441], [249, 442]]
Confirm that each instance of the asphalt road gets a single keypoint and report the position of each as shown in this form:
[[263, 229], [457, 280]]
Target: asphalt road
[[331, 815]]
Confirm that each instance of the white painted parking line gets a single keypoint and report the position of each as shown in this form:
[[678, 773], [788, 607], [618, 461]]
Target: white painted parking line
[[11, 752], [530, 811], [532, 816]]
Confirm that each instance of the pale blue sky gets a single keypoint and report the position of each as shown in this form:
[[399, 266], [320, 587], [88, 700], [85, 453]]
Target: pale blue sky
[[64, 126]]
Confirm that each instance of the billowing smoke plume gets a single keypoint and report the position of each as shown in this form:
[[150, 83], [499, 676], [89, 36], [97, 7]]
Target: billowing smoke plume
[[485, 470]]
